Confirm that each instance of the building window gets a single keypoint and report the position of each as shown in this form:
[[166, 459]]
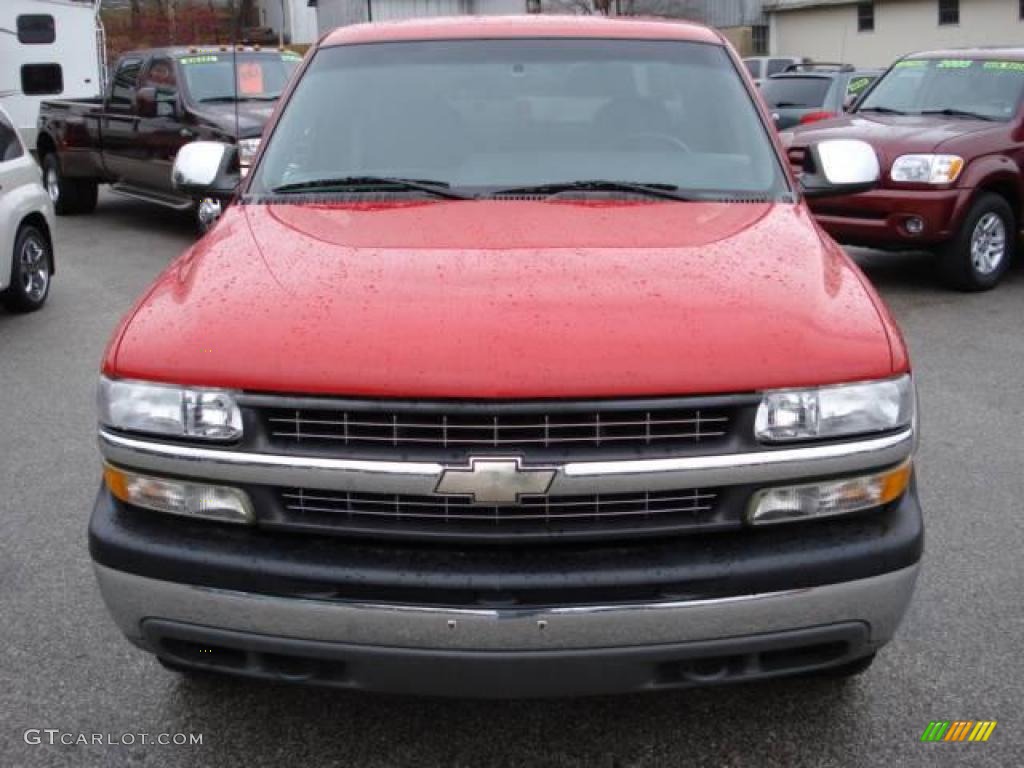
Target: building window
[[36, 29], [42, 79], [949, 12], [866, 17], [1020, 10], [759, 39]]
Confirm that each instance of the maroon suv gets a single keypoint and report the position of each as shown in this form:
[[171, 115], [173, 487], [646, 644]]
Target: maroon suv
[[948, 127]]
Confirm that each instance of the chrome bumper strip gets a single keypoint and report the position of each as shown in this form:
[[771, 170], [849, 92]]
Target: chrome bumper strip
[[573, 478]]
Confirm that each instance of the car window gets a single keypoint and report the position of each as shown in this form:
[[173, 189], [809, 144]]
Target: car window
[[991, 89], [122, 90], [795, 92], [496, 114], [10, 147], [251, 77], [161, 78], [753, 67], [775, 66]]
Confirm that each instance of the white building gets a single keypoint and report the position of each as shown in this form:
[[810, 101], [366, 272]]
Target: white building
[[874, 34], [294, 20], [339, 13], [49, 49]]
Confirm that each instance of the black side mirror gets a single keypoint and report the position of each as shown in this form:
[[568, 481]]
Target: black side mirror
[[145, 102], [207, 169], [837, 167]]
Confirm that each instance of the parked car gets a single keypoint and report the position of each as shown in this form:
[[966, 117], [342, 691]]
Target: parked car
[[26, 225], [519, 368], [807, 93], [158, 101], [948, 128], [761, 67]]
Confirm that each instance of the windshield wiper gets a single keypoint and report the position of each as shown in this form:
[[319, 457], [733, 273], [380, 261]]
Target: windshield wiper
[[668, 191], [227, 99], [789, 105], [439, 188], [951, 112], [882, 110]]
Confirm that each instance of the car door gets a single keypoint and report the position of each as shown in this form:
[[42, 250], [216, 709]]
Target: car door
[[160, 132], [123, 153]]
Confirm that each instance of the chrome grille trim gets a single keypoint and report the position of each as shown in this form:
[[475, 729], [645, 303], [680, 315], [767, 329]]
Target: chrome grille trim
[[580, 478]]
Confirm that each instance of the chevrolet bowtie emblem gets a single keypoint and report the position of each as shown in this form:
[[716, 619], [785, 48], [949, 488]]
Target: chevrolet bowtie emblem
[[495, 481]]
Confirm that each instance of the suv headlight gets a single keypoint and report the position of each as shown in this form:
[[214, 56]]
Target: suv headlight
[[835, 411], [927, 169], [161, 409]]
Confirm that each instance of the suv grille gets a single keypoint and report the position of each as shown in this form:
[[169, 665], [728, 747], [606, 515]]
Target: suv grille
[[614, 429], [455, 517]]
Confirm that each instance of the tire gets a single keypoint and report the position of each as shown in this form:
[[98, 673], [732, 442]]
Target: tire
[[31, 272], [982, 251], [69, 196], [847, 670]]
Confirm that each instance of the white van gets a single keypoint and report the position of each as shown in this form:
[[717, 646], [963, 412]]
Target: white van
[[49, 48]]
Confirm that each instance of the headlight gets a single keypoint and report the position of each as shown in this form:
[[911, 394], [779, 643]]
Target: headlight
[[927, 169], [247, 149], [835, 411], [160, 409]]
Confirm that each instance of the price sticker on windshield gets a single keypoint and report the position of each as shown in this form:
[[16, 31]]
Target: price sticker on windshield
[[250, 78]]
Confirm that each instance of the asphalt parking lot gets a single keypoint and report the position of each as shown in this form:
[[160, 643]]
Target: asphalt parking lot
[[64, 666]]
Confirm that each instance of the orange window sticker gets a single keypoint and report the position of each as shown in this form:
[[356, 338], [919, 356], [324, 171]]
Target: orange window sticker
[[250, 78]]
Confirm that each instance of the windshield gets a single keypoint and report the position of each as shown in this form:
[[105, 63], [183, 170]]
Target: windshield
[[261, 76], [989, 89], [795, 91], [481, 116]]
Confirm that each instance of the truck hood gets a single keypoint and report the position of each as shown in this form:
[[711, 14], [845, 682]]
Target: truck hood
[[517, 299], [892, 135], [252, 117]]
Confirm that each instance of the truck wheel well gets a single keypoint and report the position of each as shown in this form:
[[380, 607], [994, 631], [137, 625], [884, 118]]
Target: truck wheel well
[[1008, 191], [38, 221], [44, 146]]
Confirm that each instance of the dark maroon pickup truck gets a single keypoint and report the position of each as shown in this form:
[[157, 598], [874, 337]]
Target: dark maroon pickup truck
[[948, 129], [158, 100]]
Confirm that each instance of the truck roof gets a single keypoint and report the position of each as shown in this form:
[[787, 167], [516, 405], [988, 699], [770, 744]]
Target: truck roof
[[177, 51], [525, 26], [1010, 53]]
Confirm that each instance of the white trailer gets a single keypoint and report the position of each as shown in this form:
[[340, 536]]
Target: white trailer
[[48, 49]]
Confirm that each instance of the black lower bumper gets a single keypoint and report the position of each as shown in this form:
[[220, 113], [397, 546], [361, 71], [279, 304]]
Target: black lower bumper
[[507, 674]]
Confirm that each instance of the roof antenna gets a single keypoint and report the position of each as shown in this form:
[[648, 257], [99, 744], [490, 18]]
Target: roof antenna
[[235, 34]]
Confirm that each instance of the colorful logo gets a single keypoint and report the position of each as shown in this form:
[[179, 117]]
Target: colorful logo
[[958, 730]]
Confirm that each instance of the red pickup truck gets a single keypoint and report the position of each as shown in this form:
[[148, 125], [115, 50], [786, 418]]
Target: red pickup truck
[[948, 127], [518, 367]]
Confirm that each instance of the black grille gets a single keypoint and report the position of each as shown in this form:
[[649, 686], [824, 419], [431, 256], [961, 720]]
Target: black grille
[[455, 429], [457, 517]]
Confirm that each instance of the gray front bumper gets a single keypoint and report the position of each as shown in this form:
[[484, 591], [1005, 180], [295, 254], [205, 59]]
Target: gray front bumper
[[879, 602]]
